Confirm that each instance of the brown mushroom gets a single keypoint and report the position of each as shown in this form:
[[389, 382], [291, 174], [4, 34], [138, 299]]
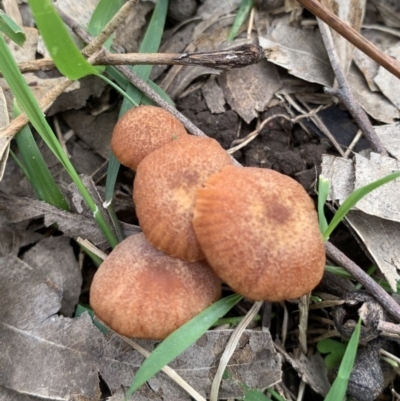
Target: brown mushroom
[[141, 292], [164, 192], [259, 231], [140, 131]]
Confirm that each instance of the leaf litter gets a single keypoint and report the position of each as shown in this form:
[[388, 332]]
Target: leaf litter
[[41, 289]]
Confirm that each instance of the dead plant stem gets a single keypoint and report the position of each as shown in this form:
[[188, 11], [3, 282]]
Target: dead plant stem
[[343, 92], [391, 306]]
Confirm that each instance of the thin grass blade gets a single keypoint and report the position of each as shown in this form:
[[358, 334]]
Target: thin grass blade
[[242, 14], [255, 395], [27, 101], [65, 54], [36, 169], [102, 15], [180, 340], [150, 44], [338, 390], [11, 29], [323, 191], [353, 198]]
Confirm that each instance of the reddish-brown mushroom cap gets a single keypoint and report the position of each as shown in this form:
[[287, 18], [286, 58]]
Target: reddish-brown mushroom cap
[[259, 231], [141, 292], [164, 192], [140, 131]]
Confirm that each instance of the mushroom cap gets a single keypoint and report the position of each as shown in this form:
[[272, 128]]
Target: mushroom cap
[[141, 292], [259, 231], [140, 131], [165, 188]]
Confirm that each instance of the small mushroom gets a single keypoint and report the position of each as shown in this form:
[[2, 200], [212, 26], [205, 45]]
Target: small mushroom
[[141, 292], [259, 231], [140, 131], [165, 188]]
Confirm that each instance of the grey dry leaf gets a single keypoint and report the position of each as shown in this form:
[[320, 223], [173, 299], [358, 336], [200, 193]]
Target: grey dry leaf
[[211, 8], [213, 95], [54, 357], [248, 90], [380, 228], [368, 67], [344, 178], [352, 13], [374, 103], [299, 51], [311, 370], [389, 11], [387, 82], [389, 136], [381, 237], [384, 201], [53, 258], [71, 224]]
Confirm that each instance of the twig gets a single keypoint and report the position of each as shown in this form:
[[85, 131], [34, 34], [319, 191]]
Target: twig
[[316, 120], [242, 142], [358, 274], [389, 327], [236, 57], [345, 95], [110, 28], [387, 62], [230, 348]]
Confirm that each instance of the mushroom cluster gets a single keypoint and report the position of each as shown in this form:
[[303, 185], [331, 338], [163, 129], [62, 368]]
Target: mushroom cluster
[[256, 228]]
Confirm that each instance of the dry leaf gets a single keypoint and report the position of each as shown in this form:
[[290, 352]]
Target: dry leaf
[[383, 202], [211, 8], [381, 237], [50, 356], [390, 11], [300, 51], [389, 135], [375, 104], [53, 258], [248, 90], [377, 219], [387, 82], [71, 224], [312, 371], [352, 13], [213, 95]]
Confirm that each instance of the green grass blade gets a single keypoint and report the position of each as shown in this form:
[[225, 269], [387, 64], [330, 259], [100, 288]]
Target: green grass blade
[[255, 395], [243, 12], [36, 169], [65, 54], [338, 390], [27, 101], [10, 28], [150, 44], [323, 191], [102, 15], [353, 198], [180, 340]]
